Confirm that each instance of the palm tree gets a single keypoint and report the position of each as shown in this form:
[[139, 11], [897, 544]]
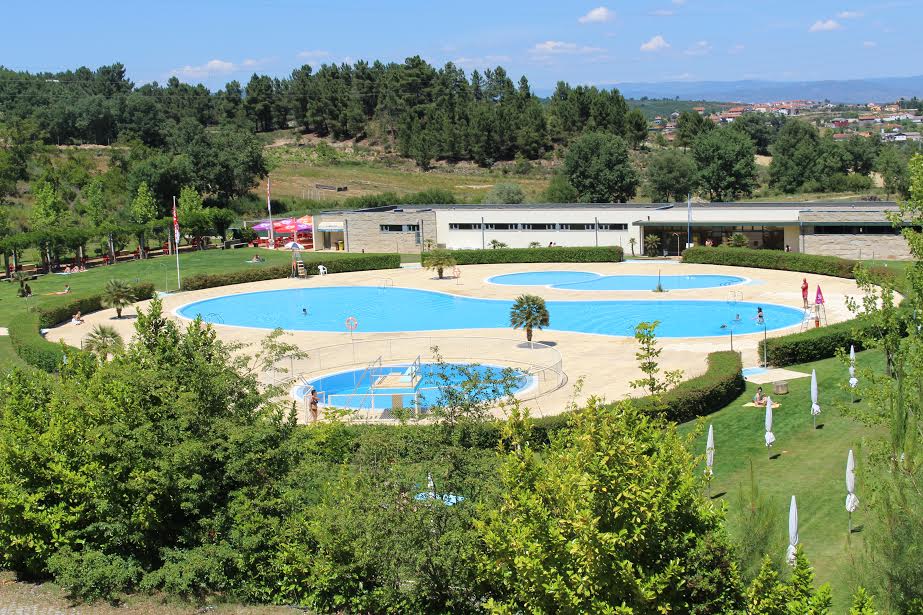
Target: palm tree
[[632, 243], [438, 260], [103, 341], [529, 312], [118, 295]]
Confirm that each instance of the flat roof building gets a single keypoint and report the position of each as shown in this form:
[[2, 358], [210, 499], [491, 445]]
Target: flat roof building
[[850, 229]]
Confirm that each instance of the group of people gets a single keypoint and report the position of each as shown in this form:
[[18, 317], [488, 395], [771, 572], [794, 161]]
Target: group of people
[[256, 259], [75, 269]]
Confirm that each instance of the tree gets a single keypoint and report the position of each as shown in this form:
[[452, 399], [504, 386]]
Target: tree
[[632, 242], [727, 169], [49, 209], [862, 152], [529, 312], [690, 126], [892, 165], [793, 156], [757, 530], [507, 193], [496, 244], [766, 594], [143, 210], [609, 519], [862, 603], [671, 175], [438, 259], [636, 128], [119, 295], [762, 128], [652, 245], [103, 341], [560, 190], [221, 220], [648, 357], [599, 168]]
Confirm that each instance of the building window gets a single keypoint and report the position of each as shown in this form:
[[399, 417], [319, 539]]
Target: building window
[[613, 227], [399, 228], [502, 226], [856, 230], [464, 226], [538, 226]]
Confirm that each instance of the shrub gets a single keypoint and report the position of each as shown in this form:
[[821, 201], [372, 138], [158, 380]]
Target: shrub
[[34, 349], [721, 384], [813, 344], [600, 254], [195, 573], [340, 265], [772, 259], [93, 575]]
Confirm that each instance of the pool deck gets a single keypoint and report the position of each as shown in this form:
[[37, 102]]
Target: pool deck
[[604, 364]]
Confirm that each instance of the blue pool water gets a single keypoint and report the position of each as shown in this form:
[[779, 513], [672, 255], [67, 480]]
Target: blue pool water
[[363, 389], [585, 280], [404, 309]]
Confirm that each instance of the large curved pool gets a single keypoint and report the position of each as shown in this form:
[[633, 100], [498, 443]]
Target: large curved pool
[[585, 280], [404, 309], [406, 385]]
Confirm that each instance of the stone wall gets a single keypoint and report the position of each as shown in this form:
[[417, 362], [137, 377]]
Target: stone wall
[[858, 246], [363, 232]]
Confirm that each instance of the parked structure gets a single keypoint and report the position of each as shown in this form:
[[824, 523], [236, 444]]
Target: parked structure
[[857, 229]]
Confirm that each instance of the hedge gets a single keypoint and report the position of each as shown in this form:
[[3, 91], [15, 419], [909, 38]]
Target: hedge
[[600, 254], [34, 349], [258, 274], [722, 383], [772, 259]]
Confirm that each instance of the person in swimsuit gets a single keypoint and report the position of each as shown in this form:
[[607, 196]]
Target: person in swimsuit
[[804, 292], [759, 399], [312, 404]]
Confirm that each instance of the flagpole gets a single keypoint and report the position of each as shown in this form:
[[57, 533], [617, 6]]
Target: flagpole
[[272, 235], [179, 283]]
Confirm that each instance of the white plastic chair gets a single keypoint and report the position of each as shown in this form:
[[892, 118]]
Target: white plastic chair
[[321, 270]]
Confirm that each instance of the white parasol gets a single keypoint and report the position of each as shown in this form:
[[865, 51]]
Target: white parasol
[[770, 437], [709, 452], [792, 532], [853, 381], [815, 408]]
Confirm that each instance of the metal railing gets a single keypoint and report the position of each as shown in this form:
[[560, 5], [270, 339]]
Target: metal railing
[[542, 363]]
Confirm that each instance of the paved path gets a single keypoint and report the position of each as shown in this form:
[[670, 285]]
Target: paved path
[[605, 364]]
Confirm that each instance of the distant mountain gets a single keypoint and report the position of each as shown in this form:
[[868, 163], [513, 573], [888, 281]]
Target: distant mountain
[[879, 89]]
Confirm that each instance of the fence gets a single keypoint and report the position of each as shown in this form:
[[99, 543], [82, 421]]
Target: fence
[[541, 363]]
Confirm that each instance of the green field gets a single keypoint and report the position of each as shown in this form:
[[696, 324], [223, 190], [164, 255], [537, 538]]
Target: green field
[[159, 271], [811, 465]]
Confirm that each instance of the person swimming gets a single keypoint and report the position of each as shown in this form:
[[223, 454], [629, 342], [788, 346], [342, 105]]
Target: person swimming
[[304, 311], [759, 316]]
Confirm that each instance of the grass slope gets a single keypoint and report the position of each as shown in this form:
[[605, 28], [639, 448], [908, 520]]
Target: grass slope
[[811, 466]]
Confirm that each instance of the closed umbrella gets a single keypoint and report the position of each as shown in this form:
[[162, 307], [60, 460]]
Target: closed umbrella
[[852, 502], [770, 437], [815, 409], [853, 381], [709, 456], [792, 532]]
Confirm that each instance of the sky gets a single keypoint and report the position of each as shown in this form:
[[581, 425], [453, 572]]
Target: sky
[[211, 42]]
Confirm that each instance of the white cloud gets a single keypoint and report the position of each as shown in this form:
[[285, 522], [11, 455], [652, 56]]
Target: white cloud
[[481, 61], [598, 15], [699, 48], [657, 43], [869, 44], [549, 48], [212, 68], [825, 25], [849, 14], [313, 54], [679, 2], [663, 13]]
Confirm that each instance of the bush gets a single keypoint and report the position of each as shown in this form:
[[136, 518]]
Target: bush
[[721, 384], [600, 254], [195, 573], [31, 347], [772, 259], [815, 344], [340, 265], [93, 575], [35, 350]]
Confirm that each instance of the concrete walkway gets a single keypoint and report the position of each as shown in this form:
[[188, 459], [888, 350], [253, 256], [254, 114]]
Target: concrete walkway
[[604, 364]]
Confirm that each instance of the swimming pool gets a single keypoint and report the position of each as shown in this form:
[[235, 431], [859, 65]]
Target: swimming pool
[[586, 280], [404, 309], [407, 385]]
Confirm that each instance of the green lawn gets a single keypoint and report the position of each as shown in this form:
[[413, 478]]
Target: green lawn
[[811, 465], [160, 271]]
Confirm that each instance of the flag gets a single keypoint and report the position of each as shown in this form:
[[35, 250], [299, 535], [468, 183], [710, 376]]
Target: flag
[[819, 299], [175, 225]]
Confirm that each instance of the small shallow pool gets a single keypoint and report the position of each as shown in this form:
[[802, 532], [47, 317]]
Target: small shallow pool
[[385, 310], [410, 386], [586, 280]]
